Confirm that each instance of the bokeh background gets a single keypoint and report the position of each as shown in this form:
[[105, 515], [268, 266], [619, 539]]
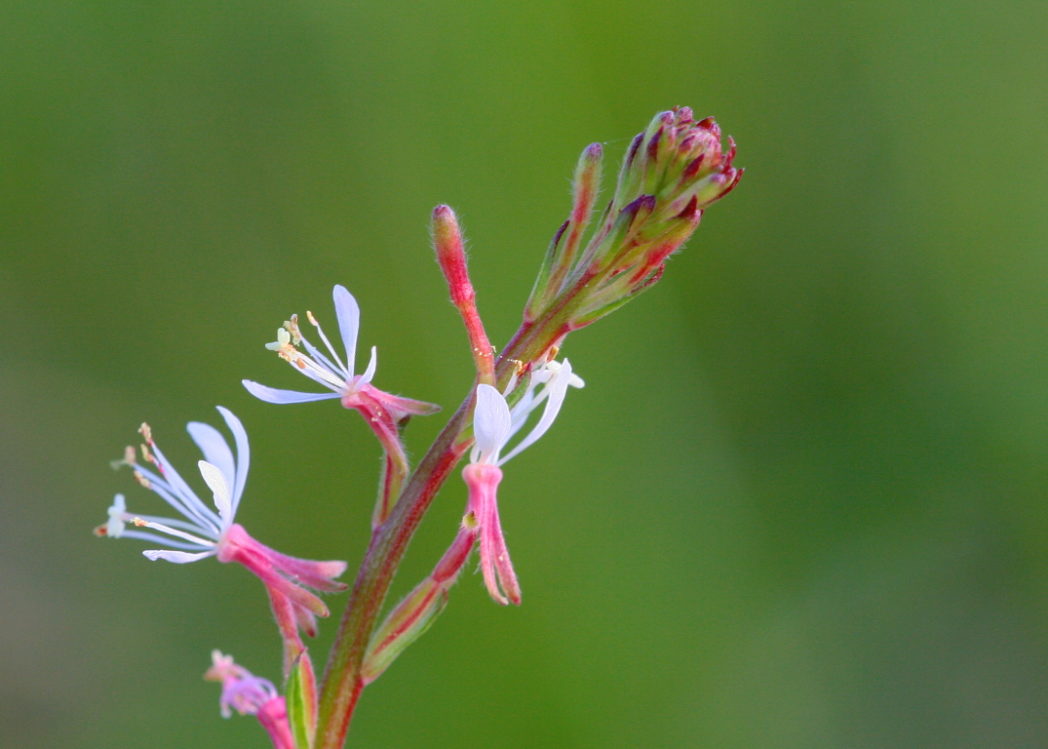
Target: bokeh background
[[801, 501]]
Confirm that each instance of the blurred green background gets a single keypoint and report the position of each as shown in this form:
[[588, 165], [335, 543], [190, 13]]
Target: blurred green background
[[801, 501]]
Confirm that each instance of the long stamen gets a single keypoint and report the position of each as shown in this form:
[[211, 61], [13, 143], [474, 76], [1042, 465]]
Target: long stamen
[[165, 541], [170, 486], [314, 364], [315, 370], [195, 511], [129, 517], [142, 523], [324, 338]]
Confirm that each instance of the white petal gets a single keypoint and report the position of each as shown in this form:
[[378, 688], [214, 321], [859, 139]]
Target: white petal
[[213, 445], [556, 389], [173, 489], [176, 557], [219, 485], [348, 312], [523, 408], [372, 365], [491, 423], [243, 459], [276, 395]]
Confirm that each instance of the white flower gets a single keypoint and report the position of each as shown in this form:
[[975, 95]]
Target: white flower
[[383, 411], [495, 423], [199, 531], [328, 369], [241, 690]]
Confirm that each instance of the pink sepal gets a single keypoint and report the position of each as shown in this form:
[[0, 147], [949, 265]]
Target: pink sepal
[[398, 408], [483, 479], [294, 607]]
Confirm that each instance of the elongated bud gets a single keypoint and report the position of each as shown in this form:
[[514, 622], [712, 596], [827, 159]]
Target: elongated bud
[[451, 256], [587, 180], [542, 290], [563, 250], [408, 621], [413, 616], [584, 193]]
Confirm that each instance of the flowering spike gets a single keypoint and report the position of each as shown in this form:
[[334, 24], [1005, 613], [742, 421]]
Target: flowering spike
[[671, 172]]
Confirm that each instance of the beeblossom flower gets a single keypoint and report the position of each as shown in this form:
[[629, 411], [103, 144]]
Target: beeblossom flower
[[495, 424], [241, 690], [203, 532], [331, 370], [383, 412], [250, 695]]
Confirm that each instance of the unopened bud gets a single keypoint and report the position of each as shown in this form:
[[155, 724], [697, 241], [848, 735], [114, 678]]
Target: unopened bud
[[671, 172], [451, 255], [586, 183], [408, 621], [447, 241]]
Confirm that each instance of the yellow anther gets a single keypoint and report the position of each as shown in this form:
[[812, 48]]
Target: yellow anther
[[292, 328]]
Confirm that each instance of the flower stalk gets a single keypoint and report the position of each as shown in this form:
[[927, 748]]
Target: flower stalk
[[670, 174]]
